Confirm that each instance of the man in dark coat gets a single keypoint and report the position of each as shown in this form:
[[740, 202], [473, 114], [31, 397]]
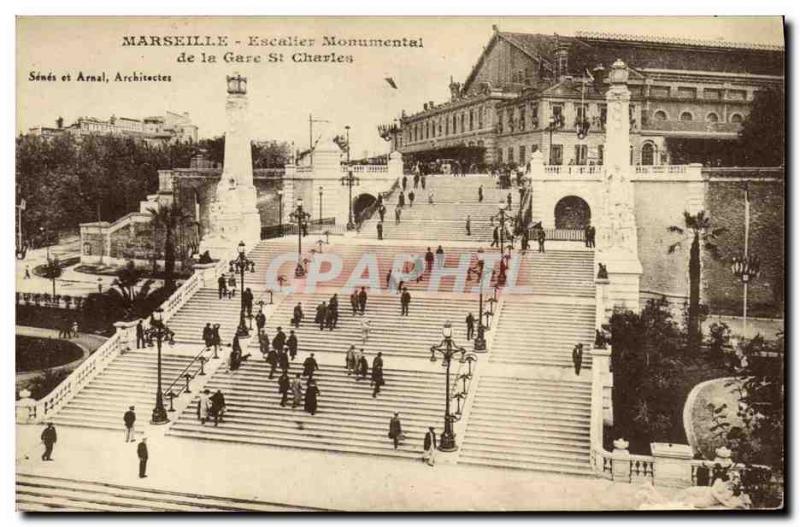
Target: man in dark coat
[[129, 419], [208, 334], [577, 358], [411, 197], [405, 301], [49, 438], [354, 301], [592, 233], [470, 326], [322, 313], [217, 406], [422, 181], [586, 235], [429, 446], [261, 321], [216, 339], [310, 366], [401, 200], [362, 367], [397, 213], [377, 374], [283, 387], [247, 298], [405, 183], [333, 308], [469, 225], [222, 286], [379, 227], [416, 180], [508, 199], [283, 359], [279, 341], [362, 300], [291, 343], [480, 194], [525, 240], [495, 237], [297, 315], [141, 451], [395, 429], [382, 211], [272, 360], [540, 237], [312, 394], [429, 260], [140, 334]]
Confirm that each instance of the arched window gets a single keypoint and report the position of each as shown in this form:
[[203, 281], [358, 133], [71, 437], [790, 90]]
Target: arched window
[[686, 116], [712, 118], [648, 154], [736, 118], [660, 115]]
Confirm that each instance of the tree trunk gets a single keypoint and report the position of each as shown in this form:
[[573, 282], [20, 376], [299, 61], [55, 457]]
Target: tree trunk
[[169, 259], [694, 293]]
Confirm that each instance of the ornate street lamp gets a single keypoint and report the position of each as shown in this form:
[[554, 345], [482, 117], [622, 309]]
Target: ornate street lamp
[[480, 339], [349, 180], [502, 218], [745, 268], [241, 264], [300, 217], [320, 204], [280, 211], [160, 332], [388, 132], [447, 348]]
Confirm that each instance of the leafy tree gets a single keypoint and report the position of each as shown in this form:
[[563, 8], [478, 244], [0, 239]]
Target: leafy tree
[[761, 138], [169, 218], [52, 271], [698, 230]]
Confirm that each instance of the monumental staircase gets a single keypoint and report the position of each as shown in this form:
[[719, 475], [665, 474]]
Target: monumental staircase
[[454, 198]]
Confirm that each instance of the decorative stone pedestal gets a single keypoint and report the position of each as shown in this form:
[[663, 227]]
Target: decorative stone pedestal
[[671, 466]]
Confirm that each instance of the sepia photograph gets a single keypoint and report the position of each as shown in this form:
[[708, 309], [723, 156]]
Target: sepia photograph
[[399, 264]]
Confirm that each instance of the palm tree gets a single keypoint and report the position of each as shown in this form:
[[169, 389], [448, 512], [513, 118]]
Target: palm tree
[[52, 271], [126, 280], [698, 229], [169, 217]]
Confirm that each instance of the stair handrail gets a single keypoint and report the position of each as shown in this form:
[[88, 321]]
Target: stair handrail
[[199, 357]]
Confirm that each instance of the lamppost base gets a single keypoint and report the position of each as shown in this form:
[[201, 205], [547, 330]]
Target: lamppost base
[[299, 272], [480, 343], [159, 416], [242, 331], [351, 226], [447, 443]]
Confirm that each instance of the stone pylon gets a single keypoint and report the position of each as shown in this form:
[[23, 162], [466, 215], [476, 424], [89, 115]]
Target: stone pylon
[[234, 216], [617, 244]]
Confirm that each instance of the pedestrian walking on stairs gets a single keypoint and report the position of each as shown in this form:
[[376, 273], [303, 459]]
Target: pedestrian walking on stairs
[[480, 194], [405, 301], [429, 447], [354, 301], [395, 430], [470, 326], [312, 396], [577, 358], [362, 366], [310, 366], [366, 327], [379, 227], [397, 211], [377, 374], [204, 406], [129, 419], [141, 452], [261, 321], [222, 286], [469, 225], [297, 315], [296, 386], [350, 360], [411, 197], [49, 438], [283, 387], [362, 300], [291, 343]]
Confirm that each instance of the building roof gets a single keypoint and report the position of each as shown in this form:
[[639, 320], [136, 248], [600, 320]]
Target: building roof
[[676, 41]]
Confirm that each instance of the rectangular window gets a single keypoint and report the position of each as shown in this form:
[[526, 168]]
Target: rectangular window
[[686, 92], [659, 91], [471, 120], [708, 93], [522, 118], [534, 116], [581, 154], [556, 154], [599, 154], [558, 115], [581, 111], [447, 126], [500, 117], [737, 95], [462, 123], [499, 155], [510, 154], [480, 118], [522, 158], [636, 91]]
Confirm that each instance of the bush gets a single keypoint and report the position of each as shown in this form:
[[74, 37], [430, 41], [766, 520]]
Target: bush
[[33, 353], [41, 385]]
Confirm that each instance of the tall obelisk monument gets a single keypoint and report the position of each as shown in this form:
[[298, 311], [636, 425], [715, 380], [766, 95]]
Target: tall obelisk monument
[[617, 244], [234, 216]]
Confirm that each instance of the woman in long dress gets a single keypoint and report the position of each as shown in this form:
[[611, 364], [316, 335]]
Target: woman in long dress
[[202, 407], [311, 397]]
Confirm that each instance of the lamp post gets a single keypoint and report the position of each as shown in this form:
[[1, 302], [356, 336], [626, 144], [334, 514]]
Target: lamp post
[[480, 339], [299, 216], [447, 348], [349, 181], [241, 264], [320, 204], [501, 217], [745, 268], [280, 211], [160, 332]]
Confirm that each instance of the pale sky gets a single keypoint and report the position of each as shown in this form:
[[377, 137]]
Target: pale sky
[[282, 95]]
